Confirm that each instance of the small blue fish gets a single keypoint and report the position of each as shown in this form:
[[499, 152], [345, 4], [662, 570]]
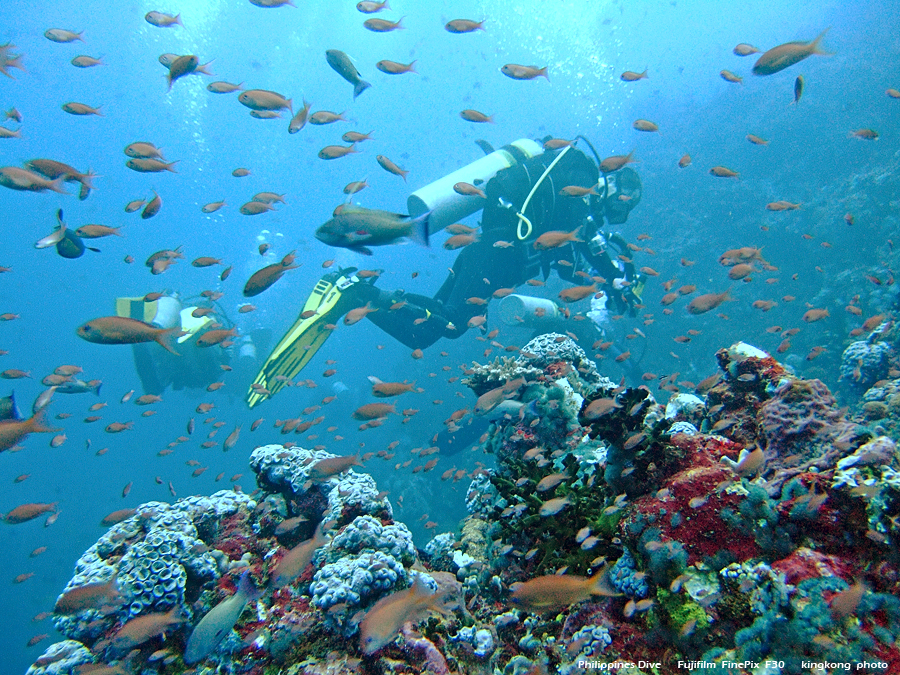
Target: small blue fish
[[8, 408], [798, 88]]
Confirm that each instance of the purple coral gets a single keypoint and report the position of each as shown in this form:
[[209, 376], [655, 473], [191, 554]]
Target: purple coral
[[423, 647], [803, 428]]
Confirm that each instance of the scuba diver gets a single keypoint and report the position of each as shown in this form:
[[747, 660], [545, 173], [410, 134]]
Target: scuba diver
[[198, 363], [523, 198]]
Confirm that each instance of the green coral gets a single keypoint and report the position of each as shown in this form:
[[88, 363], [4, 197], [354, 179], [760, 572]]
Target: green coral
[[680, 608]]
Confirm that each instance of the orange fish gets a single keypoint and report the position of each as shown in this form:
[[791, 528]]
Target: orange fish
[[576, 293], [214, 337], [782, 206], [382, 25], [743, 49], [139, 630], [390, 167], [518, 72], [382, 623], [616, 162], [740, 271], [336, 151], [296, 560], [723, 172], [631, 76], [89, 596], [873, 322], [555, 239], [395, 68], [812, 315], [474, 115], [264, 278], [372, 411], [554, 591], [462, 25], [669, 298], [387, 389], [783, 56], [707, 301], [118, 330], [26, 512], [846, 602], [645, 125], [865, 134], [578, 191], [358, 314]]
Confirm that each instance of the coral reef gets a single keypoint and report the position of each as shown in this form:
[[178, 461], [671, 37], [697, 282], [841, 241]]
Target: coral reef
[[865, 362], [758, 521], [803, 430], [158, 558]]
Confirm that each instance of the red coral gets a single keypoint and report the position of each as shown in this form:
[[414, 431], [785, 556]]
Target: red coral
[[235, 545], [695, 494], [804, 563]]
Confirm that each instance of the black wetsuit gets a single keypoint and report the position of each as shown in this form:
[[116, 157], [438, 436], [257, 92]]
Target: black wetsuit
[[483, 267]]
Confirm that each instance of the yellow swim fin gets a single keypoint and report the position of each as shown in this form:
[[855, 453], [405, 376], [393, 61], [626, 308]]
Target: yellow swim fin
[[328, 303]]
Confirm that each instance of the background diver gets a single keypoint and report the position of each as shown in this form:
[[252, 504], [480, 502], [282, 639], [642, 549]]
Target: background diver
[[196, 366], [523, 199]]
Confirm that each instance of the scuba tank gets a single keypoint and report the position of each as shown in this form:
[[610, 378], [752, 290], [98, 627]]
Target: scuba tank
[[446, 205], [517, 310]]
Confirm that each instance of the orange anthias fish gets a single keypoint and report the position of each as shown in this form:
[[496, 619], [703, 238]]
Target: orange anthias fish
[[846, 602], [616, 162], [555, 239], [707, 301], [264, 278], [358, 314], [783, 56], [13, 431], [387, 616], [559, 591], [89, 596], [296, 560], [576, 293], [491, 399], [372, 411], [387, 389], [26, 512], [331, 466], [143, 628], [120, 330]]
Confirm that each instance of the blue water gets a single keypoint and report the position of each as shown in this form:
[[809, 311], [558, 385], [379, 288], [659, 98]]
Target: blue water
[[414, 119]]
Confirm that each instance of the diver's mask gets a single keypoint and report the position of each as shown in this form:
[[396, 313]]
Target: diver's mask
[[623, 193]]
